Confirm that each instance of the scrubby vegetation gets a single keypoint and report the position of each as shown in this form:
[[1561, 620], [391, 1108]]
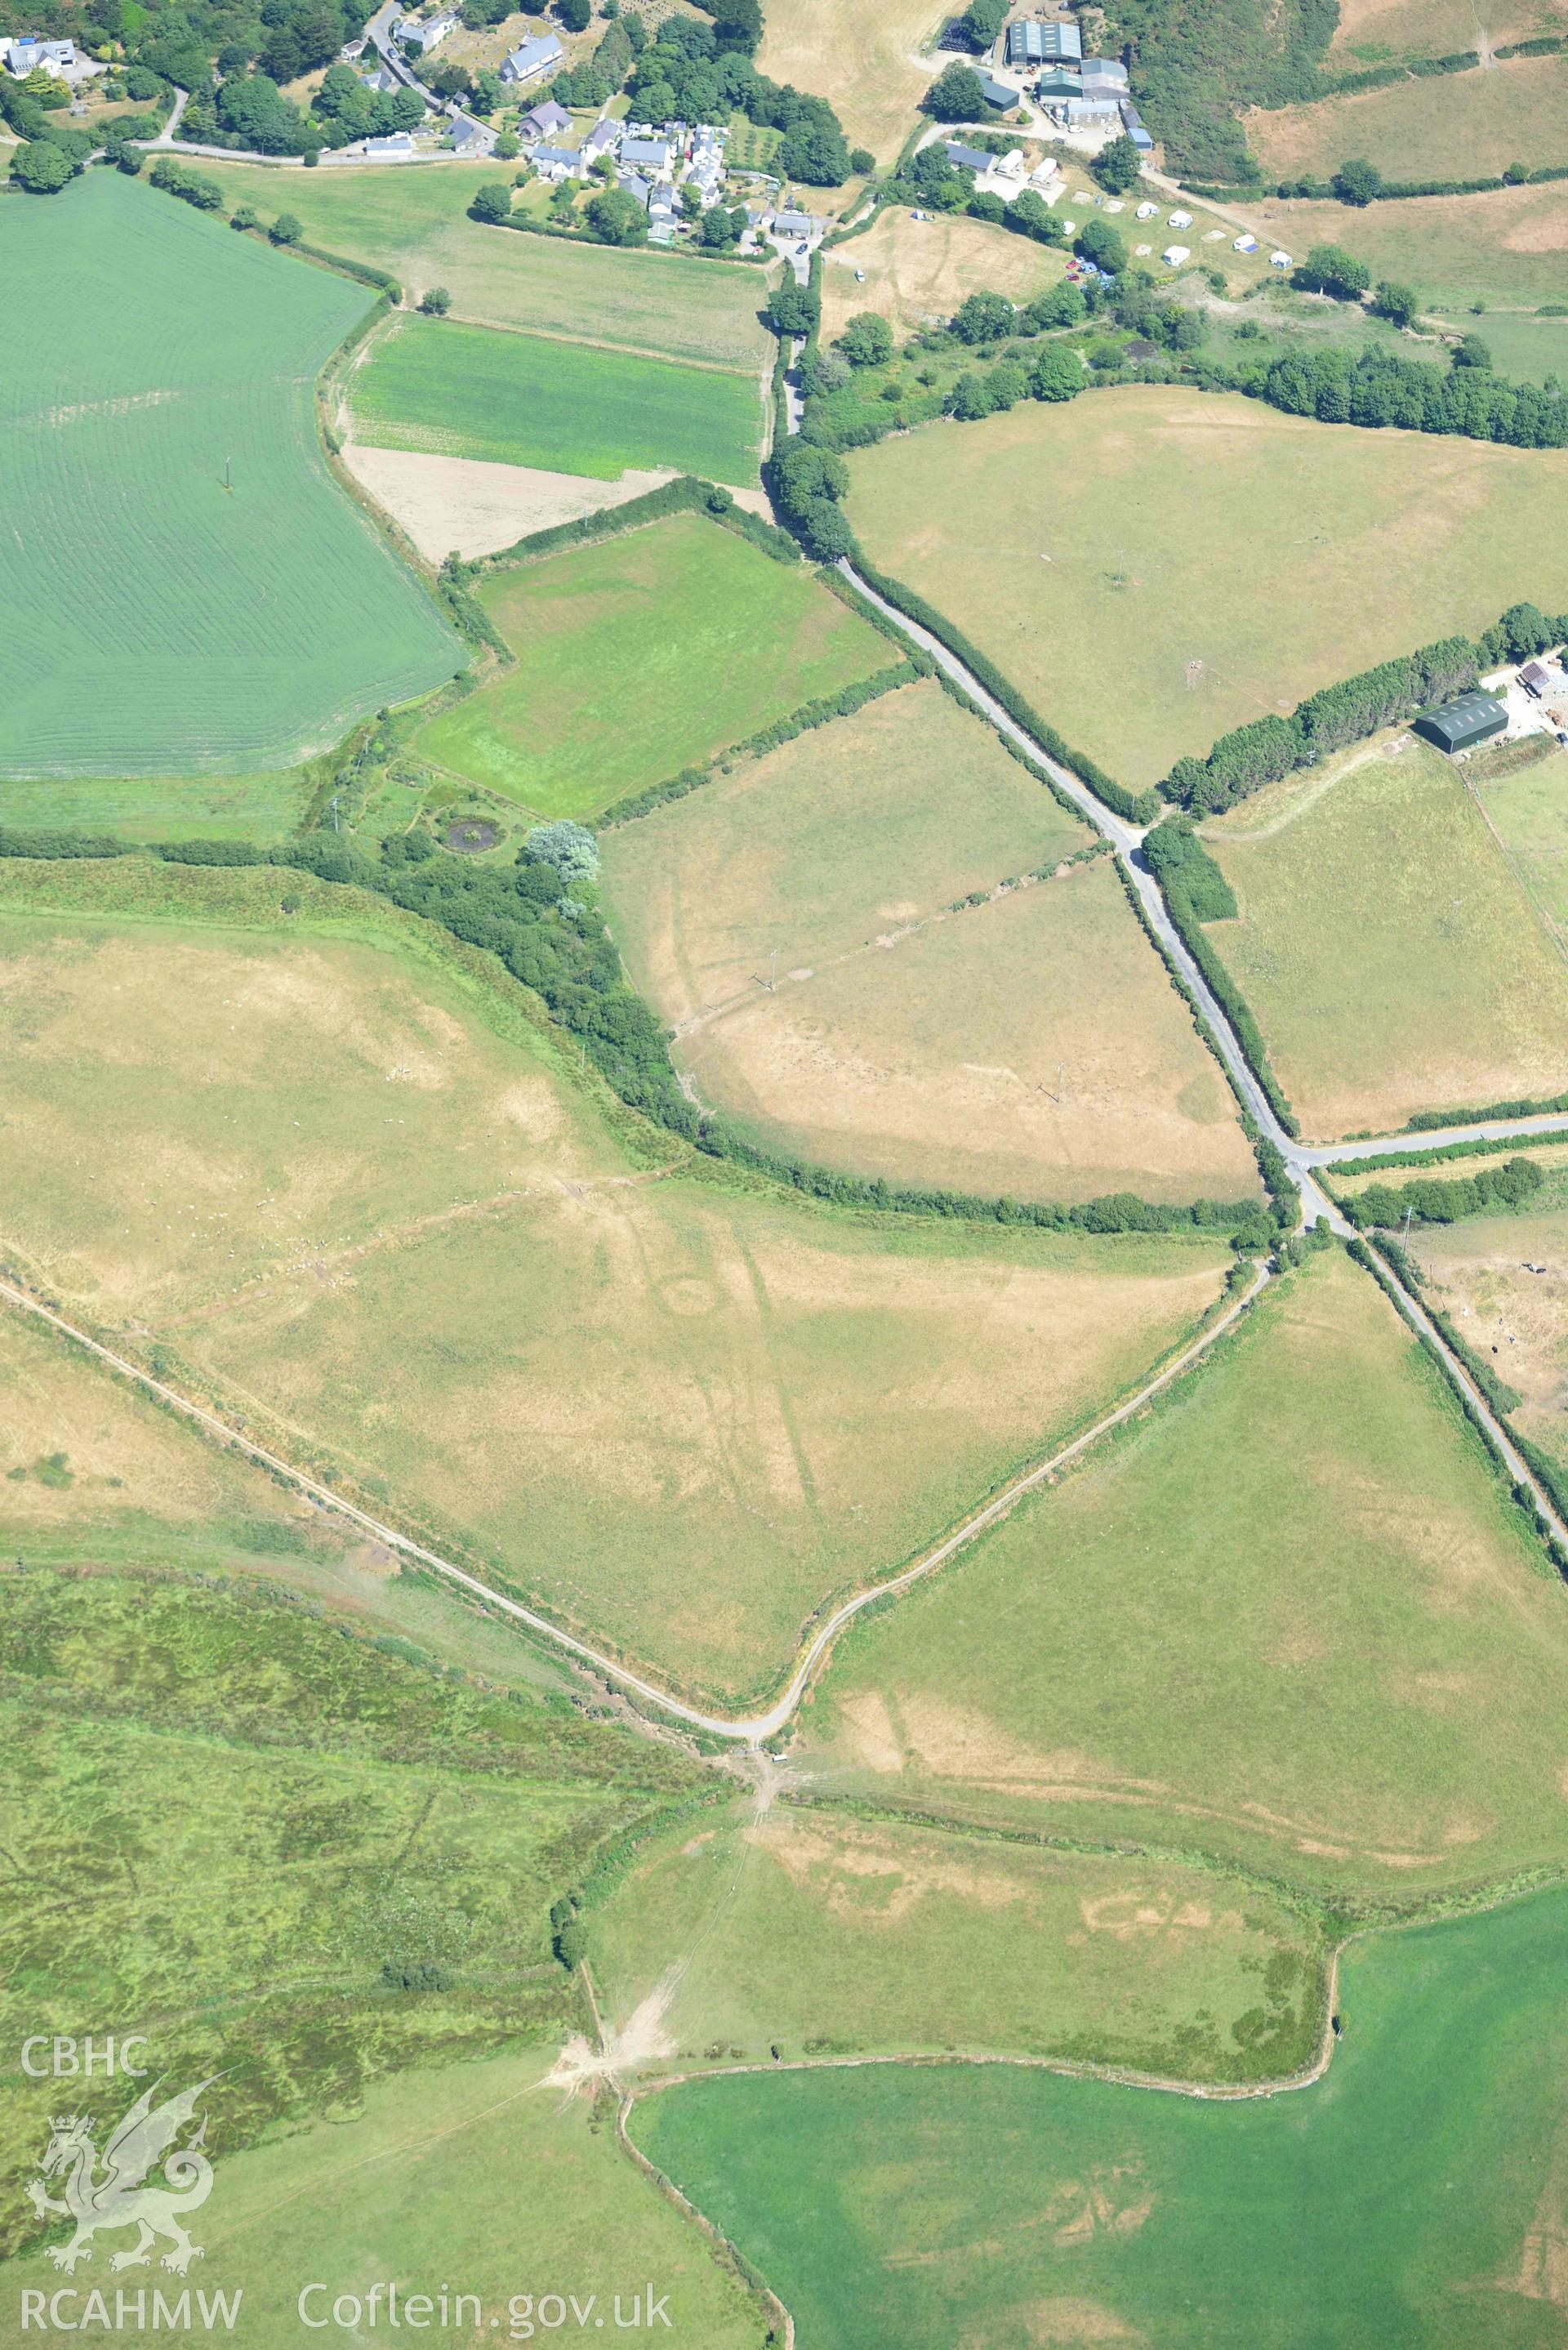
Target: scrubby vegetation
[[1198, 63], [354, 1847]]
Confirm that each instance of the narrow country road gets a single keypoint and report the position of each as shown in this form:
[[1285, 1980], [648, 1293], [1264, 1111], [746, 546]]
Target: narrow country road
[[1301, 1159], [1437, 1137], [166, 136], [1125, 838]]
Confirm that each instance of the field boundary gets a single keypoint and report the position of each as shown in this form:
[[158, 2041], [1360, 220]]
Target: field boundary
[[805, 720]]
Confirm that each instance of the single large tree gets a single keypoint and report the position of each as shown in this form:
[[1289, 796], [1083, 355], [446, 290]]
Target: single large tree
[[1329, 269], [41, 167], [956, 96], [1118, 166], [617, 218]]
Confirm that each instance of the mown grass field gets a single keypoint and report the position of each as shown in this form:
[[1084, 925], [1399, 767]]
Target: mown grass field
[[1516, 1319], [801, 924], [1529, 811], [1392, 957], [1522, 345], [415, 224], [917, 272], [1508, 246], [533, 399], [1414, 2197], [1358, 545], [819, 1933], [639, 656], [866, 61], [171, 808], [1440, 127], [682, 1412], [1290, 1620], [232, 1820], [156, 621], [406, 2188]]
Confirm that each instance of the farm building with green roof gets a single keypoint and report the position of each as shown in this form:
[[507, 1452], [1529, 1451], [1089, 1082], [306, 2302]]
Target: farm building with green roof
[[1468, 718]]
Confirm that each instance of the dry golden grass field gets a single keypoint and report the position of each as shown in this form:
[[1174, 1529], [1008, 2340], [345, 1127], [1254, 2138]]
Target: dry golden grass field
[[1516, 1319], [678, 1411], [917, 272], [1370, 31], [1442, 126], [799, 923], [1390, 954], [1096, 550], [864, 56], [1510, 245], [1291, 1617], [89, 1467]]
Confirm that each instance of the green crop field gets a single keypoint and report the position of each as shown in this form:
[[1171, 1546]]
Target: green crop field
[[156, 619], [681, 1411], [406, 2188], [1441, 126], [638, 656], [1392, 957], [532, 400], [1414, 2198], [1029, 1044], [1507, 247], [313, 1810], [415, 224], [1119, 604], [812, 1931], [1336, 1654]]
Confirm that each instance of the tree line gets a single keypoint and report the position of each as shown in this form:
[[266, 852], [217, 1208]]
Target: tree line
[[1267, 749], [1435, 1199]]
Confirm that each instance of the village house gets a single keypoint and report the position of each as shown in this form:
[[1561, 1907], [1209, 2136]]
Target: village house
[[541, 53]]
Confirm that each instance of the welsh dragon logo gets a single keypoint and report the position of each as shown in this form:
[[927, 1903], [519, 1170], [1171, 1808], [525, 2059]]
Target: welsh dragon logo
[[120, 2197]]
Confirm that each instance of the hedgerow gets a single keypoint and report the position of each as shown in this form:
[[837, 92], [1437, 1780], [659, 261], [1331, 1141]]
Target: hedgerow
[[1195, 893], [810, 715]]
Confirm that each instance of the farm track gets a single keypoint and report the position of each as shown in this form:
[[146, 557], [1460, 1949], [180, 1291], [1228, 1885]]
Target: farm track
[[747, 1730]]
